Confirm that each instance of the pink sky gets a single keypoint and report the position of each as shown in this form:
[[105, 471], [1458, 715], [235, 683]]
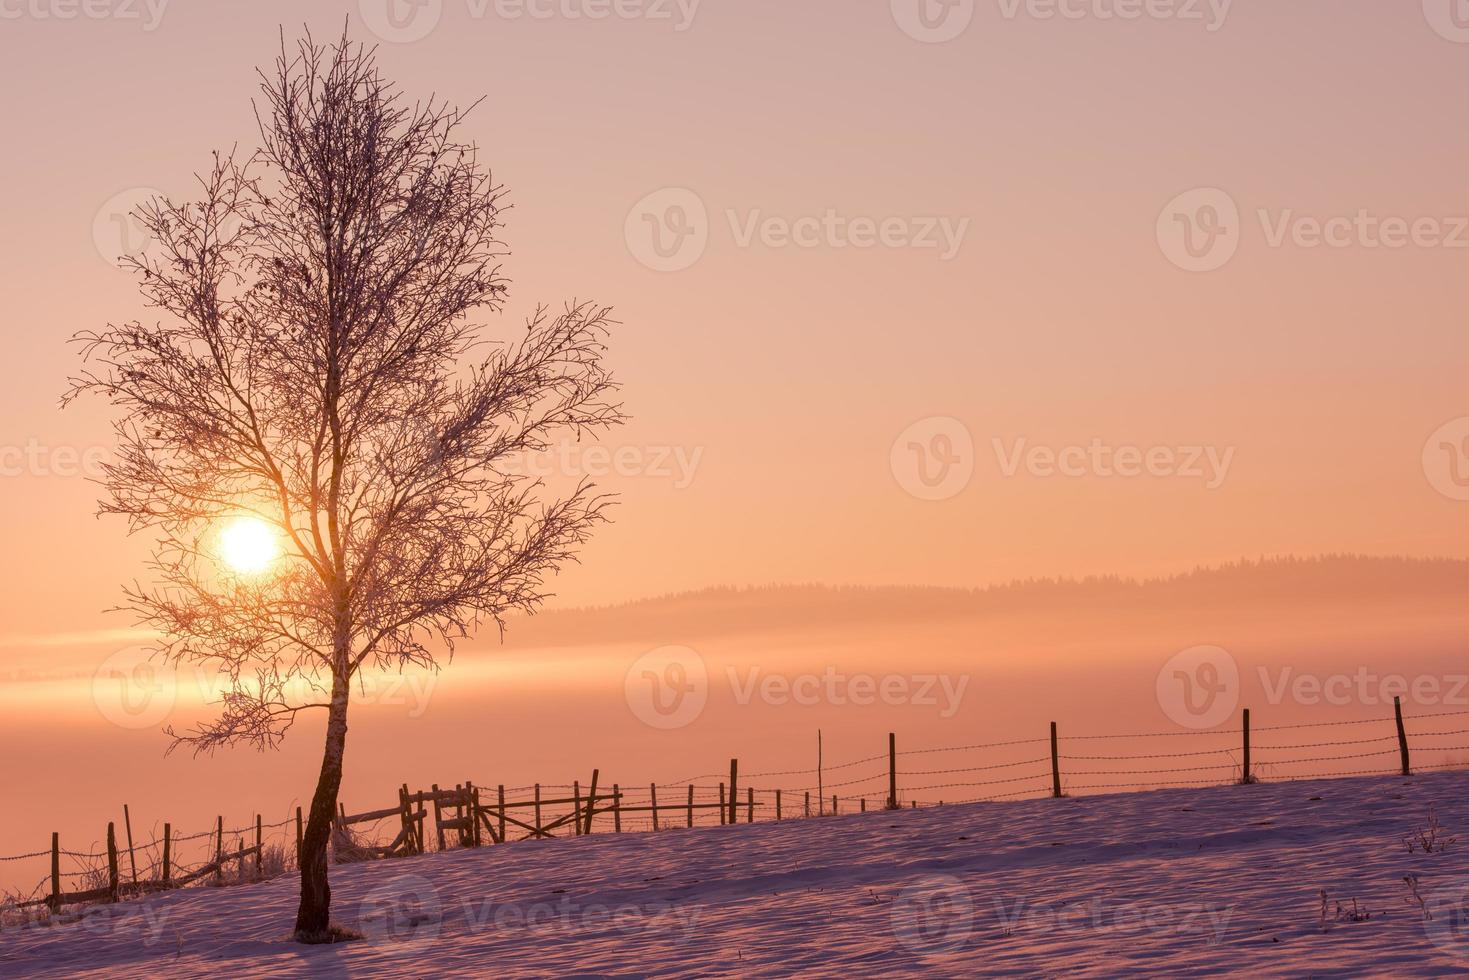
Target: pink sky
[[779, 377]]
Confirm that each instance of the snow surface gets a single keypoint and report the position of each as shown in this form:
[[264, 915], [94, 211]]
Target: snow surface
[[1171, 882]]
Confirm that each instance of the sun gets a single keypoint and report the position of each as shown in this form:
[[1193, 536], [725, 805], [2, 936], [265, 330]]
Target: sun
[[248, 545]]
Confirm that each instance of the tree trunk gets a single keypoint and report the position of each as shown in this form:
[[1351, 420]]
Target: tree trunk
[[313, 918]]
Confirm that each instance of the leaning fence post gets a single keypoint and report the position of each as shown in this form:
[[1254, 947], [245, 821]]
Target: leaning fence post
[[734, 792], [55, 871], [1397, 710], [576, 805], [1245, 777], [502, 812], [127, 822], [259, 849], [112, 882], [592, 800], [167, 851], [219, 849], [1055, 764]]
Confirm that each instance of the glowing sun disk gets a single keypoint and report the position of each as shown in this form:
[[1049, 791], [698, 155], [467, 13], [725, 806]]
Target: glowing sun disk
[[248, 545]]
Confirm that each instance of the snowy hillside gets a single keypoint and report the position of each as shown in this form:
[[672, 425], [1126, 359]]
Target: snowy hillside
[[1167, 882]]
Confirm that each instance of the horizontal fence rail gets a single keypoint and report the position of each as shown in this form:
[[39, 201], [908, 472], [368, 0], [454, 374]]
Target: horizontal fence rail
[[471, 815]]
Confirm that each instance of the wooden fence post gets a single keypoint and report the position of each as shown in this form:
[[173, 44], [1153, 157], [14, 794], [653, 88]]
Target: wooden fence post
[[808, 803], [259, 850], [438, 811], [653, 794], [219, 850], [734, 791], [55, 871], [833, 804], [777, 805], [112, 882], [892, 771], [240, 850], [1245, 778], [863, 804], [1397, 710], [820, 787], [750, 804], [299, 838], [576, 806], [470, 835], [405, 818], [691, 804], [616, 808], [538, 809], [1055, 764], [723, 807], [167, 851], [127, 822], [592, 800], [502, 812]]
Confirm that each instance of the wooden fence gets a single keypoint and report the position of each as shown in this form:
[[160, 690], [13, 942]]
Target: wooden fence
[[470, 815]]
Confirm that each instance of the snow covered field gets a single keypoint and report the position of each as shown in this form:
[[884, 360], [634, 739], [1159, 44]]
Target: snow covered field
[[1224, 880]]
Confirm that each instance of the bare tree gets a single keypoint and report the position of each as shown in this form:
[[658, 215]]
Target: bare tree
[[315, 367]]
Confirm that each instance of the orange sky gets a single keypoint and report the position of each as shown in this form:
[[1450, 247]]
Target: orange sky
[[769, 381]]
